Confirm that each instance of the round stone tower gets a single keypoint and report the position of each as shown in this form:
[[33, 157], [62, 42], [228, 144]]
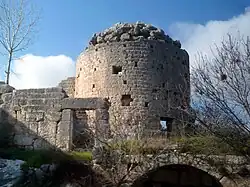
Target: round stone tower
[[141, 71]]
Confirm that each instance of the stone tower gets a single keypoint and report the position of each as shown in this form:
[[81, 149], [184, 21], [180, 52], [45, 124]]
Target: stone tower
[[141, 71]]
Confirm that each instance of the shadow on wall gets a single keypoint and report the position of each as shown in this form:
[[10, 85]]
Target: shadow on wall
[[15, 134], [177, 175], [69, 170]]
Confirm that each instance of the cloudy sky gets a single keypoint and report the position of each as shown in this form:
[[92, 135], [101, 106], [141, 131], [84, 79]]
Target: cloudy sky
[[66, 26]]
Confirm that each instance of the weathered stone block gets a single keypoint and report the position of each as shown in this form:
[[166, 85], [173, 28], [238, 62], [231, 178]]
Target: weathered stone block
[[39, 116], [33, 128], [64, 135], [5, 88], [38, 108], [35, 101], [52, 101], [67, 115], [53, 89], [23, 140], [53, 116], [7, 97], [102, 114], [42, 144], [60, 95], [30, 117], [46, 129], [84, 103]]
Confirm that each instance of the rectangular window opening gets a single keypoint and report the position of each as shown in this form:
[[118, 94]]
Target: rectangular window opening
[[116, 69], [126, 100], [166, 124]]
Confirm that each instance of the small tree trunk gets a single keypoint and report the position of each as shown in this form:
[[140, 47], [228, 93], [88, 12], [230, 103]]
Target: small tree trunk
[[8, 68]]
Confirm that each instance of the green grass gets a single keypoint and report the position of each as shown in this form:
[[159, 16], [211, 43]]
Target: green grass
[[204, 145], [37, 158], [194, 145], [81, 155]]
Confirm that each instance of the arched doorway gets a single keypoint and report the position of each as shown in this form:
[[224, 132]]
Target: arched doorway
[[177, 175]]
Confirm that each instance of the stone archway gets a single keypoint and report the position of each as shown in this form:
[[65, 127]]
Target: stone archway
[[176, 175]]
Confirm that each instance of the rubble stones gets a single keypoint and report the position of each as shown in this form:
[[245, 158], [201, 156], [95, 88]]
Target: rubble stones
[[5, 88], [10, 171], [132, 32]]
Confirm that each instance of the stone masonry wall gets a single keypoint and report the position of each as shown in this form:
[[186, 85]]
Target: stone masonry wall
[[90, 120], [141, 79], [68, 85], [48, 118], [37, 118], [225, 168]]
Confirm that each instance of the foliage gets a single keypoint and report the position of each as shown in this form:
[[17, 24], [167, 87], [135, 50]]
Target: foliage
[[17, 28], [223, 95], [208, 145], [194, 145]]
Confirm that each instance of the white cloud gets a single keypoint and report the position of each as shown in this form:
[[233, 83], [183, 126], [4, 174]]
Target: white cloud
[[201, 38], [32, 71]]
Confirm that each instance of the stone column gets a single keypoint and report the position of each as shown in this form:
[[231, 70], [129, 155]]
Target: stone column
[[65, 131]]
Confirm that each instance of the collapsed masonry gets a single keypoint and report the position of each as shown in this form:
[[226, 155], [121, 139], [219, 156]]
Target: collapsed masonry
[[48, 118]]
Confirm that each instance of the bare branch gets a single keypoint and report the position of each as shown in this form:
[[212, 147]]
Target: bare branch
[[17, 23]]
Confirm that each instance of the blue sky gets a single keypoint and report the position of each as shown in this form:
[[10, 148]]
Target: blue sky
[[67, 25]]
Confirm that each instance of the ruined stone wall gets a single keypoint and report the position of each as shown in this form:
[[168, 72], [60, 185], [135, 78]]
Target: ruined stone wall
[[91, 119], [228, 169], [48, 118], [37, 118], [68, 85], [141, 79]]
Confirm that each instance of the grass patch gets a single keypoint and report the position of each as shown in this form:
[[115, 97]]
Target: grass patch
[[36, 158], [81, 155], [204, 145], [193, 145]]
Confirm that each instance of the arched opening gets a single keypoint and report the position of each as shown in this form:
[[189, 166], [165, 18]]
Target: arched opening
[[176, 175]]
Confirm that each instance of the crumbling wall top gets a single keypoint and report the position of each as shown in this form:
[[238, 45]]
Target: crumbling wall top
[[132, 32]]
